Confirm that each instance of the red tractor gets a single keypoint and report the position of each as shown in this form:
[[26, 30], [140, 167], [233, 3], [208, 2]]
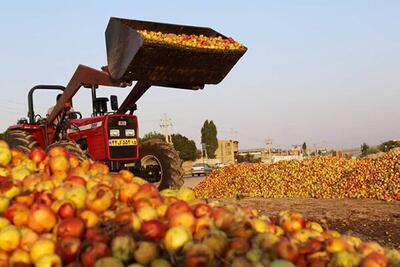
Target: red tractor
[[112, 136]]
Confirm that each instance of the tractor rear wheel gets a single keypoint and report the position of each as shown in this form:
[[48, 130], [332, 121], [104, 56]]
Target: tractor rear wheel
[[21, 139], [162, 163], [72, 147]]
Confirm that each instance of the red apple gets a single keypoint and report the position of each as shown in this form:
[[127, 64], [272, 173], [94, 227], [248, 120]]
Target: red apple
[[44, 198], [374, 259], [68, 248], [223, 218], [127, 191], [66, 210], [58, 151], [10, 211], [239, 244], [198, 255], [59, 164], [98, 168], [185, 219], [146, 190], [202, 209], [176, 208], [92, 252], [287, 251], [37, 155], [99, 199], [42, 219], [153, 229], [97, 234], [71, 227], [78, 180]]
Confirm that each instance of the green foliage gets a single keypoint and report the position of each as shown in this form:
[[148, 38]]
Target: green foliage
[[1, 135], [304, 148], [186, 147], [152, 135], [367, 150], [209, 137], [388, 145], [247, 158]]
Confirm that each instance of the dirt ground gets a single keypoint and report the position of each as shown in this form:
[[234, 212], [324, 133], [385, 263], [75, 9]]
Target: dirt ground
[[368, 219]]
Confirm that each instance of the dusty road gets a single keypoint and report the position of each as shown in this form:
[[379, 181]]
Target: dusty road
[[192, 181]]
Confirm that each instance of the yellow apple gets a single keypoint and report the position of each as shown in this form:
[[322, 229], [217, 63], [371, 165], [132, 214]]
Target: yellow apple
[[4, 202], [186, 194], [3, 222], [77, 195], [10, 238], [20, 172], [5, 156], [177, 237], [41, 247], [49, 260], [20, 256]]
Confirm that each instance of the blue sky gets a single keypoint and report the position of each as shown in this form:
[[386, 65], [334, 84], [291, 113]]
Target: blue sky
[[324, 72]]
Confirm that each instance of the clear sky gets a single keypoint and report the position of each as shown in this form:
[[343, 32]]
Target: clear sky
[[324, 72]]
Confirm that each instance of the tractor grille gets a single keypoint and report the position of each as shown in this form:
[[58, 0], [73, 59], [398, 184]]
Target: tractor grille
[[122, 124]]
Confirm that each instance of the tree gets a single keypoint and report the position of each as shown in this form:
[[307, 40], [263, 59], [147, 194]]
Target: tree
[[304, 148], [247, 158], [209, 138], [186, 147], [388, 145], [152, 135], [366, 150]]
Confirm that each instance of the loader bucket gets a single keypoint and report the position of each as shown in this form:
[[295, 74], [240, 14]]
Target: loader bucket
[[132, 58]]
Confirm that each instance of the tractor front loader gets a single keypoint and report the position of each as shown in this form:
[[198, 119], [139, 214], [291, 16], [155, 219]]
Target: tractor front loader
[[113, 136]]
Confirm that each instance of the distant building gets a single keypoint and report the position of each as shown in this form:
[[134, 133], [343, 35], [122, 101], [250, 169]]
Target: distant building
[[296, 150], [227, 151], [273, 155]]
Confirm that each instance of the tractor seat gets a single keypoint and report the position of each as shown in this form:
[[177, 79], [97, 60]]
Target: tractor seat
[[100, 105]]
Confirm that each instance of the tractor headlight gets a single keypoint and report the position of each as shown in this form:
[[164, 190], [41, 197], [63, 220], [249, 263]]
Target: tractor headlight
[[114, 133], [129, 132]]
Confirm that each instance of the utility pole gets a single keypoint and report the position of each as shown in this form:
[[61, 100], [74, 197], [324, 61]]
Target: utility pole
[[204, 151], [268, 143], [165, 124]]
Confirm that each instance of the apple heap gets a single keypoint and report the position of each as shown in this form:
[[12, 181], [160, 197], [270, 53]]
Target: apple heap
[[59, 211], [321, 177], [198, 41]]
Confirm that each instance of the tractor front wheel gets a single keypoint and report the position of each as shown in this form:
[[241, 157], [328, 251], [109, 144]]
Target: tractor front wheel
[[72, 147], [21, 139], [162, 164]]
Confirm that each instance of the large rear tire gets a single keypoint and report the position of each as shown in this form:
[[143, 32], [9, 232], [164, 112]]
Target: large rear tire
[[158, 152], [72, 147], [21, 139]]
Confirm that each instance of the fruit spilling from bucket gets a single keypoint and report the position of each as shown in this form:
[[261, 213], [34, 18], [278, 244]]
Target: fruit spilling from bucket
[[59, 211]]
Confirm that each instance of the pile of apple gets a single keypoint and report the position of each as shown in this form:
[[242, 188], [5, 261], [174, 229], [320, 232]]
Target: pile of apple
[[322, 177], [58, 211], [198, 41]]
